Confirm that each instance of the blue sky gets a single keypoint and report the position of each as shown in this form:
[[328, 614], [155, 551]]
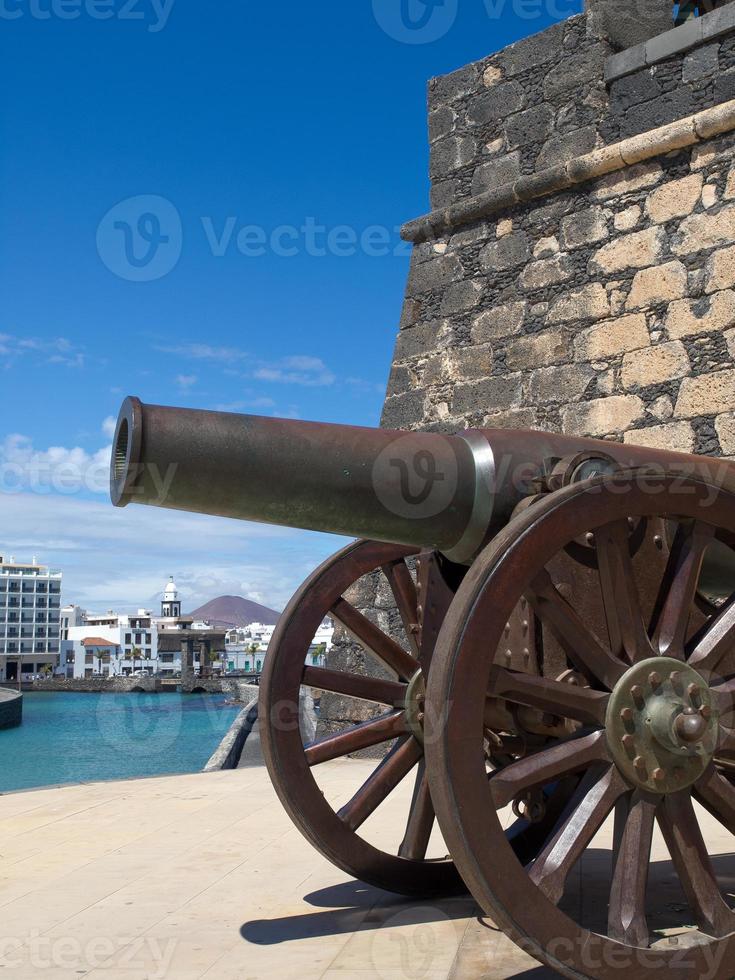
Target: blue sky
[[199, 205]]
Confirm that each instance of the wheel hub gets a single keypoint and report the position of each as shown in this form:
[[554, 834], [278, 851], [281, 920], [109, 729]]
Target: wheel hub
[[415, 705], [662, 725]]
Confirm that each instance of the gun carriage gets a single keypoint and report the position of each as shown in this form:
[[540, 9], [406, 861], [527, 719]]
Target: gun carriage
[[563, 651]]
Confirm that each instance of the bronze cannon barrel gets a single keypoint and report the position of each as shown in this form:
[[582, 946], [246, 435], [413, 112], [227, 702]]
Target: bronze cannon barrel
[[448, 492]]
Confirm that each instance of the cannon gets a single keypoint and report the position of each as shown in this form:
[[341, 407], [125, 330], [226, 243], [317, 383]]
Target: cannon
[[553, 666]]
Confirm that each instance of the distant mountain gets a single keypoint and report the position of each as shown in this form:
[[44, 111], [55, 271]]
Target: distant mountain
[[233, 610]]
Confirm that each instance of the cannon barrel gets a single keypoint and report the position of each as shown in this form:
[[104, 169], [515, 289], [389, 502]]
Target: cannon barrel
[[428, 489]]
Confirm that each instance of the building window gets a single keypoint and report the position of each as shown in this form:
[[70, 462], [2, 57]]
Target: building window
[[128, 638], [148, 638]]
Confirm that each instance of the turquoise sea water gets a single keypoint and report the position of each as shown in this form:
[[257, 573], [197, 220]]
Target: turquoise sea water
[[70, 738]]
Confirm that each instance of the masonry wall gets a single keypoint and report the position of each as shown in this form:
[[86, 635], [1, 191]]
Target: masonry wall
[[605, 308]]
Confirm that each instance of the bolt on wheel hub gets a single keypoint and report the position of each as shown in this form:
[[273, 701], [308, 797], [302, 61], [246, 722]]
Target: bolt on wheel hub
[[415, 704], [662, 725]]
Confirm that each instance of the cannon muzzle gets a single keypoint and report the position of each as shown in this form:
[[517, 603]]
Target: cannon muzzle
[[428, 489]]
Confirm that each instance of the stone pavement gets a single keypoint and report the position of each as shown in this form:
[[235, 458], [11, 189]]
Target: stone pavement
[[197, 876]]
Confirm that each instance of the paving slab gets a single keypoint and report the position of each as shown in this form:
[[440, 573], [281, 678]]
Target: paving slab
[[204, 876]]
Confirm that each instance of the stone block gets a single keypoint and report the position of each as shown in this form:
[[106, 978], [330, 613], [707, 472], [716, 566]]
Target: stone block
[[443, 193], [496, 172], [458, 364], [573, 70], [512, 418], [584, 228], [707, 394], [655, 365], [462, 296], [530, 126], [565, 146], [603, 416], [485, 396], [675, 199], [605, 160], [658, 284], [730, 185], [725, 86], [436, 273], [730, 341], [718, 22], [626, 25], [612, 338], [537, 350], [634, 251], [625, 63], [700, 63], [495, 104], [420, 339], [709, 123], [725, 428], [588, 303], [456, 85], [664, 128], [403, 411], [441, 123], [702, 231], [674, 41], [534, 51], [451, 154], [627, 219], [505, 253], [546, 272], [628, 180], [677, 437], [689, 317], [501, 321], [559, 384], [720, 270]]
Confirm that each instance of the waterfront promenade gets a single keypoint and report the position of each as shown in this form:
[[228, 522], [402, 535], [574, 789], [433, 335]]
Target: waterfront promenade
[[203, 876]]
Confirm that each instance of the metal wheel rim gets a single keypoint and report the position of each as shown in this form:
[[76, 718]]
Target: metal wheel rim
[[456, 695], [284, 752]]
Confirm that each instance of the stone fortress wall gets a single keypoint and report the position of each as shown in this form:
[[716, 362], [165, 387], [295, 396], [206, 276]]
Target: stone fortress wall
[[577, 271]]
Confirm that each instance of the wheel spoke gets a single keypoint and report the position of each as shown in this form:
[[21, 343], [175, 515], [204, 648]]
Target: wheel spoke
[[688, 851], [381, 783], [374, 640], [564, 700], [623, 613], [546, 766], [724, 697], [715, 640], [678, 588], [583, 649], [358, 686], [420, 819], [717, 794], [590, 807], [362, 736], [627, 916], [404, 592]]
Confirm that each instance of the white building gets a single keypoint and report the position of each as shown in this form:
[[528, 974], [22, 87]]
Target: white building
[[246, 647], [30, 603]]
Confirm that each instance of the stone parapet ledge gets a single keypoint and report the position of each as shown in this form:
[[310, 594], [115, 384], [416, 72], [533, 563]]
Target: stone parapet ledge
[[678, 40], [605, 160]]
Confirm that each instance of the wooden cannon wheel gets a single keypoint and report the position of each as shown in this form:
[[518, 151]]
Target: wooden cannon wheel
[[399, 692], [646, 739]]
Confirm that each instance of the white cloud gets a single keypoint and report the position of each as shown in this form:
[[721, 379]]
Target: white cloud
[[205, 352], [120, 557], [58, 469], [300, 369], [186, 381], [108, 426], [57, 350]]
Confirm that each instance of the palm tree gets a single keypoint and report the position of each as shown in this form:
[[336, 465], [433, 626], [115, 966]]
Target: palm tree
[[136, 653]]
